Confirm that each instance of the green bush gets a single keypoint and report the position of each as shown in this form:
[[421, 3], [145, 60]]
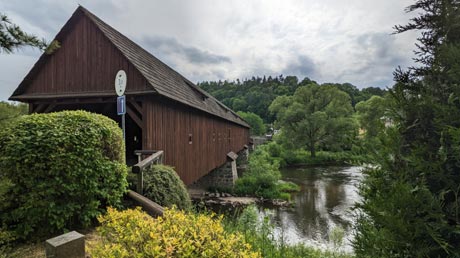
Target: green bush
[[62, 168], [163, 185], [262, 177], [9, 111], [251, 186], [302, 157], [133, 233], [288, 187], [256, 123], [274, 149]]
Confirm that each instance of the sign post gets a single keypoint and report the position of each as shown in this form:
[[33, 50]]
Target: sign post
[[120, 87]]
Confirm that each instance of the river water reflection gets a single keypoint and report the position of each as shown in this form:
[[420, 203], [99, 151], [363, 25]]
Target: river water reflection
[[324, 203]]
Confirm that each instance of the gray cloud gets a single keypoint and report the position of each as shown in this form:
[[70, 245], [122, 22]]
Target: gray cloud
[[381, 47], [168, 46], [40, 14], [212, 40], [376, 55], [302, 66], [50, 15]]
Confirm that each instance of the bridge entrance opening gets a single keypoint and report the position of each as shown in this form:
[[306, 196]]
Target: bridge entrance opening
[[133, 137]]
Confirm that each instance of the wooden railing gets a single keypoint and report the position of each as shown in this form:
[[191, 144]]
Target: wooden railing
[[156, 157], [151, 207]]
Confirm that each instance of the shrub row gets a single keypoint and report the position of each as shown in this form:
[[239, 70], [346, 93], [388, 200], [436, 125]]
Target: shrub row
[[287, 157], [59, 171], [133, 233]]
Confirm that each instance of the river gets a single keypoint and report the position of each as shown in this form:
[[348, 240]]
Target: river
[[324, 202]]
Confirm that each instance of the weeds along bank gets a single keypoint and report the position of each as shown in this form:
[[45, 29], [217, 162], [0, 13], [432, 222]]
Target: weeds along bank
[[260, 235], [262, 176], [287, 157], [132, 233]]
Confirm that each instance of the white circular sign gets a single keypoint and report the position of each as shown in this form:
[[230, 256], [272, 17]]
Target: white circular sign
[[120, 83]]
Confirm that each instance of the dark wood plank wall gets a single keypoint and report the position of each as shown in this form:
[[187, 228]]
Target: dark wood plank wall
[[86, 62], [168, 126]]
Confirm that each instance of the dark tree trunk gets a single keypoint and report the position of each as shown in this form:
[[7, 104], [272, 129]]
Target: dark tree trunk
[[312, 151]]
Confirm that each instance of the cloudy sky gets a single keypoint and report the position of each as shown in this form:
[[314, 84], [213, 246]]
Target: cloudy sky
[[325, 40]]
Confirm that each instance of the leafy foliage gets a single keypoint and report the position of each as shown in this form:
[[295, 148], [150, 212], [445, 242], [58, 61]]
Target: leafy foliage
[[411, 202], [10, 111], [316, 117], [256, 94], [371, 115], [12, 37], [256, 123], [357, 95], [163, 185], [262, 177], [132, 233], [59, 171]]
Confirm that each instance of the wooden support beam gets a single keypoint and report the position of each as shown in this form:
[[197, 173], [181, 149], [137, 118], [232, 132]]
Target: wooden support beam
[[136, 106], [38, 108], [31, 108], [49, 108], [134, 116], [104, 94]]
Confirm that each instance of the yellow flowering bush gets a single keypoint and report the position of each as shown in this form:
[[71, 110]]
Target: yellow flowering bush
[[133, 233]]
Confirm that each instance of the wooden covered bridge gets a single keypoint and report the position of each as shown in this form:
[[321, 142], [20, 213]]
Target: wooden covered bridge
[[165, 111]]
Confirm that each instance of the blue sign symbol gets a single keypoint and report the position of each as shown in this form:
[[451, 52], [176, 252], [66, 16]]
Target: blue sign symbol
[[121, 105]]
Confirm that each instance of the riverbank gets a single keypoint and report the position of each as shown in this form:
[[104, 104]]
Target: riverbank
[[261, 234], [321, 207], [302, 158], [202, 197]]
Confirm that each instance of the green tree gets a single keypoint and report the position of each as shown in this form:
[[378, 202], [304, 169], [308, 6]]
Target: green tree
[[315, 116], [371, 115], [256, 123], [411, 200], [350, 89], [12, 37], [256, 94], [9, 111], [239, 104]]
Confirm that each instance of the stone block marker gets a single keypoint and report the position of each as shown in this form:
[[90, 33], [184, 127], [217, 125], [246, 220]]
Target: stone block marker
[[69, 245]]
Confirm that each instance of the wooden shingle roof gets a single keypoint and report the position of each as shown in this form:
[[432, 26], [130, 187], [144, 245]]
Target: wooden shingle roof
[[162, 78]]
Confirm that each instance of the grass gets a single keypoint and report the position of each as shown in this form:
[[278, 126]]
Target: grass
[[37, 249], [323, 158], [301, 157], [288, 187], [33, 250]]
